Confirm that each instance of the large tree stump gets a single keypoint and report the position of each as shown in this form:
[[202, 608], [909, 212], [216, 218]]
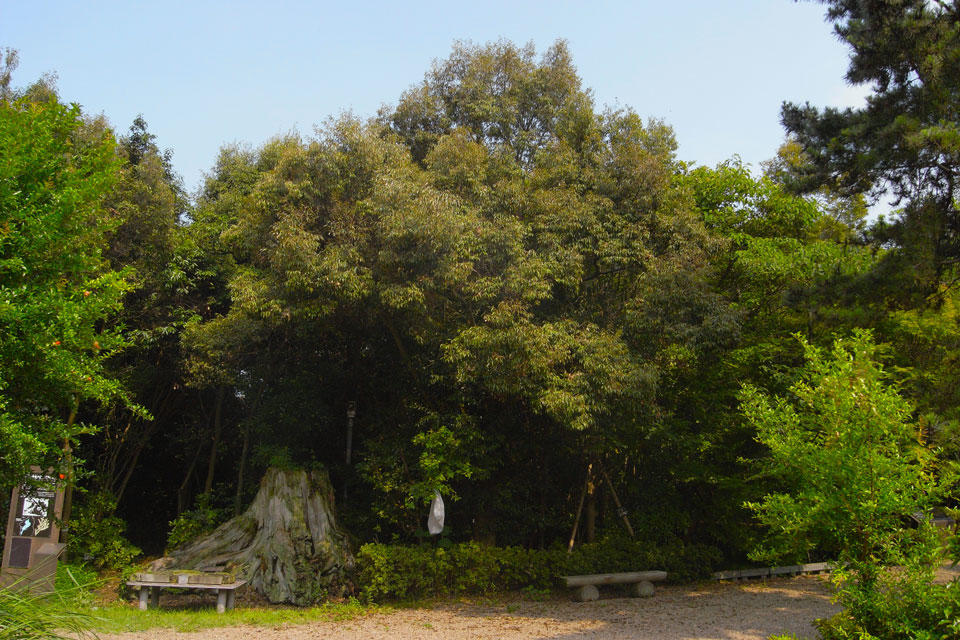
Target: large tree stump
[[286, 544]]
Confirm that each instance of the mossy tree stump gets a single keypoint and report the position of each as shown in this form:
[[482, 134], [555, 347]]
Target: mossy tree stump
[[286, 545]]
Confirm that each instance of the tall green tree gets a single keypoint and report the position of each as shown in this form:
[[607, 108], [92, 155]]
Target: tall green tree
[[856, 468], [145, 204], [906, 140], [773, 274], [845, 440], [56, 288]]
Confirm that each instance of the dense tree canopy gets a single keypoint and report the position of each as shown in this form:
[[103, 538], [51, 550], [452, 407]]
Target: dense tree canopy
[[495, 289]]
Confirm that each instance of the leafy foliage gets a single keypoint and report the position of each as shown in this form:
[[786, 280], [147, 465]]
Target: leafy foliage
[[55, 288], [393, 572], [494, 257], [191, 524], [97, 535], [484, 290], [855, 470], [905, 606], [850, 454]]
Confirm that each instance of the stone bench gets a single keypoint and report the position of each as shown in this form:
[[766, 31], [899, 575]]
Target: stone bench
[[767, 572], [150, 592], [642, 582]]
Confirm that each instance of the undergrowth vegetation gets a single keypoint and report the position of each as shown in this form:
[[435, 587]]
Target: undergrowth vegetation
[[396, 572], [97, 534]]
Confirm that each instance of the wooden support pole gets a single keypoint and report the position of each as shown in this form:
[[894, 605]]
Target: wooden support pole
[[616, 500], [576, 520]]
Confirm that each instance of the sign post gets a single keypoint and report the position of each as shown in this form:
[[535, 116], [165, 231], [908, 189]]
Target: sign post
[[32, 543]]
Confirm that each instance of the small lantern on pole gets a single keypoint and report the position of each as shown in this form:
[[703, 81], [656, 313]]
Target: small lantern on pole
[[351, 414]]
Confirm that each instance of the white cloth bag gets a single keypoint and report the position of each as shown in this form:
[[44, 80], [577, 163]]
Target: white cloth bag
[[435, 519]]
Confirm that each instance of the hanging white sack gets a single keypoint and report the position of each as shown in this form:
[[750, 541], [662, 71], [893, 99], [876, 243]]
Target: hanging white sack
[[435, 519]]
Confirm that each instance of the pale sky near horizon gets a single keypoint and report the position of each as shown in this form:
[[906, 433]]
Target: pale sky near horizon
[[205, 74]]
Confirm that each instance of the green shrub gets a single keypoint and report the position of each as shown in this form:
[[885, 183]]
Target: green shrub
[[905, 605], [404, 572], [96, 534], [847, 448], [189, 525]]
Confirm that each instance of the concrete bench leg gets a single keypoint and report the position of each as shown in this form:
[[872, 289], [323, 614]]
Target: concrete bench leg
[[144, 596], [221, 600], [154, 597], [587, 593], [230, 598], [642, 589]]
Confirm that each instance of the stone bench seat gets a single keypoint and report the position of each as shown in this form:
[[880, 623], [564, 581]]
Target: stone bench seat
[[150, 592], [642, 582]]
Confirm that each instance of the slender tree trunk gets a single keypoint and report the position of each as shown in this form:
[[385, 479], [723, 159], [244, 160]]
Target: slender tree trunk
[[238, 497], [620, 510], [107, 474], [217, 430], [590, 527], [182, 490], [132, 464], [68, 490]]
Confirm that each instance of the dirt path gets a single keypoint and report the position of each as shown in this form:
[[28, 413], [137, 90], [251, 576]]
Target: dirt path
[[727, 611]]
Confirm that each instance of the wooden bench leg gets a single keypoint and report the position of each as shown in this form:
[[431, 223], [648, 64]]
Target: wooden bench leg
[[587, 593], [643, 589], [144, 595], [222, 600], [231, 594]]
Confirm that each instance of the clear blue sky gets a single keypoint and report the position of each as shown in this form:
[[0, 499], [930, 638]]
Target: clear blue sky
[[208, 73]]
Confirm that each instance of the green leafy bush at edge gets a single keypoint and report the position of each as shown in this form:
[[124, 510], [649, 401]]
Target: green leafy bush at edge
[[189, 525], [96, 535]]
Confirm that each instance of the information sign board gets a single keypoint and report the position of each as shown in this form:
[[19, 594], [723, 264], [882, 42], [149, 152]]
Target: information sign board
[[32, 543]]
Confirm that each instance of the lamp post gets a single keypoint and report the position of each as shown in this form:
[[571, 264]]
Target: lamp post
[[351, 414]]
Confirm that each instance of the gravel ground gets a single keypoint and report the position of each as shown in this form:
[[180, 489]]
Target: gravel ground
[[724, 611]]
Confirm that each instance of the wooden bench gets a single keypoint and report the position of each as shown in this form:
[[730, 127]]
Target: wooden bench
[[642, 582], [151, 590]]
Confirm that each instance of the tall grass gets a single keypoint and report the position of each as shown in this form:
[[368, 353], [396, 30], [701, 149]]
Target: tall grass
[[25, 615]]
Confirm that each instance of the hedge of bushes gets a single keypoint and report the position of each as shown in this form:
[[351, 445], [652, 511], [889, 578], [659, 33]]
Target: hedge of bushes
[[404, 572]]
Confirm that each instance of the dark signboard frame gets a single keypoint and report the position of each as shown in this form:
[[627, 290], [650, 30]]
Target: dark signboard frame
[[32, 543]]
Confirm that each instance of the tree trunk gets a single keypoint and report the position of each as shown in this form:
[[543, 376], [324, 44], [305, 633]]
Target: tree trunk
[[183, 490], [217, 430], [131, 464], [286, 544], [238, 497], [65, 512]]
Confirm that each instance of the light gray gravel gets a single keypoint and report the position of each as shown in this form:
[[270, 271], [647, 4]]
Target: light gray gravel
[[723, 611]]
